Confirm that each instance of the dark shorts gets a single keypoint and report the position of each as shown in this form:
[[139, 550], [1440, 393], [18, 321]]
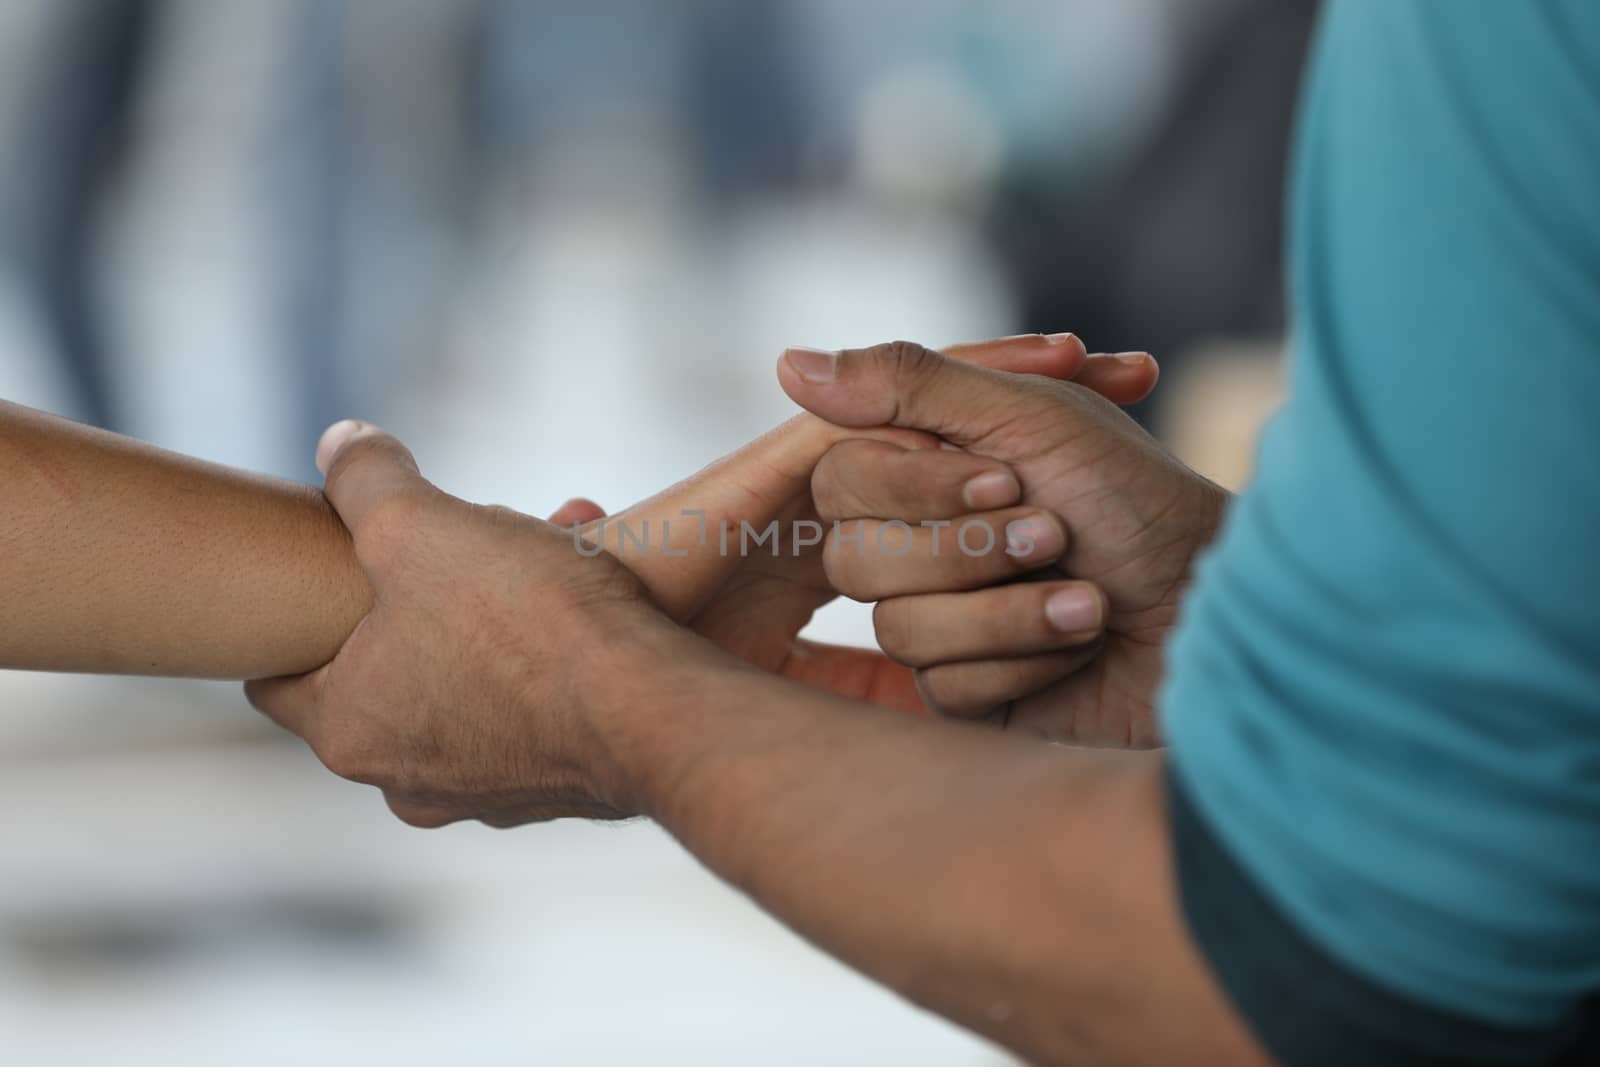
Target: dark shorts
[[1307, 1009]]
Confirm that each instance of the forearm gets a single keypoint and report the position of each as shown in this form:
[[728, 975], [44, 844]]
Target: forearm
[[119, 557], [1019, 888]]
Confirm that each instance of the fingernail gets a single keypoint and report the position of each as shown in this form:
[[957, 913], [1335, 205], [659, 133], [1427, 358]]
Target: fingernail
[[1060, 338], [996, 489], [1075, 609], [1131, 358], [1036, 537], [333, 439], [813, 364]]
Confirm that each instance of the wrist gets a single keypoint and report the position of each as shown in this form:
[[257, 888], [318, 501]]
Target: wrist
[[643, 688]]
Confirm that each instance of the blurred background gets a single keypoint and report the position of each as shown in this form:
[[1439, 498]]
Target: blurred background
[[557, 248]]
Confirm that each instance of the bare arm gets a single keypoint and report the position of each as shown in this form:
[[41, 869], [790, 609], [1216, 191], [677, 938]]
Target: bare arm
[[119, 557], [1024, 890]]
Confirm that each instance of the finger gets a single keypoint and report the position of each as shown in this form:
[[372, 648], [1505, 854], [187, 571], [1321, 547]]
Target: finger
[[866, 559], [993, 623], [364, 468], [857, 673], [511, 818], [428, 813], [906, 385], [421, 814], [1056, 355], [292, 703], [873, 479], [1123, 378], [753, 486], [974, 690], [577, 511]]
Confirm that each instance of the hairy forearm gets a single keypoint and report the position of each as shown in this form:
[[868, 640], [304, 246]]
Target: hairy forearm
[[1020, 888], [119, 557]]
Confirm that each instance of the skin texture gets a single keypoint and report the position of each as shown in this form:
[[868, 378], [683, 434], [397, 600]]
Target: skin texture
[[756, 605], [118, 557], [1138, 518], [886, 839]]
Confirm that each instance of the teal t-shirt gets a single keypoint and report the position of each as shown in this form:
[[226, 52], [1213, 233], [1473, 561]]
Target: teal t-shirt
[[1384, 699]]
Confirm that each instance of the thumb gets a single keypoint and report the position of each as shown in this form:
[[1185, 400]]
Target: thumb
[[363, 467], [858, 673], [1122, 378], [699, 523], [901, 384], [1057, 355], [576, 512]]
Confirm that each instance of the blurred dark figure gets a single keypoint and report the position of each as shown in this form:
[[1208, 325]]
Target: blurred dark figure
[[1187, 244], [389, 126], [75, 92]]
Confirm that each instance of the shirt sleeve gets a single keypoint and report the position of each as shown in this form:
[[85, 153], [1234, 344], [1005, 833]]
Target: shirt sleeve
[[1384, 699]]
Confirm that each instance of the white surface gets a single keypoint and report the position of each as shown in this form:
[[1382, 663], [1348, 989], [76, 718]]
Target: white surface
[[567, 944]]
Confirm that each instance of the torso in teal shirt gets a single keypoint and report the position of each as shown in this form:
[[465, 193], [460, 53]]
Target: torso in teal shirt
[[1385, 696]]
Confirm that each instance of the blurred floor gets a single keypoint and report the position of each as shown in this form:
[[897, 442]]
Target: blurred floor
[[169, 901]]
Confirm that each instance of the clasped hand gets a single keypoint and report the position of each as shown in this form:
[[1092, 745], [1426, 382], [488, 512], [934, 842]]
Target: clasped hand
[[500, 673]]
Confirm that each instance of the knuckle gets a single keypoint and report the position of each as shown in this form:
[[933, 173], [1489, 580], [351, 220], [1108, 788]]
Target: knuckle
[[894, 632], [934, 479], [910, 363], [946, 692], [844, 568], [388, 529], [349, 756], [292, 703], [421, 816], [979, 552], [928, 690], [362, 449], [827, 488], [592, 587], [847, 475], [258, 694], [907, 355]]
